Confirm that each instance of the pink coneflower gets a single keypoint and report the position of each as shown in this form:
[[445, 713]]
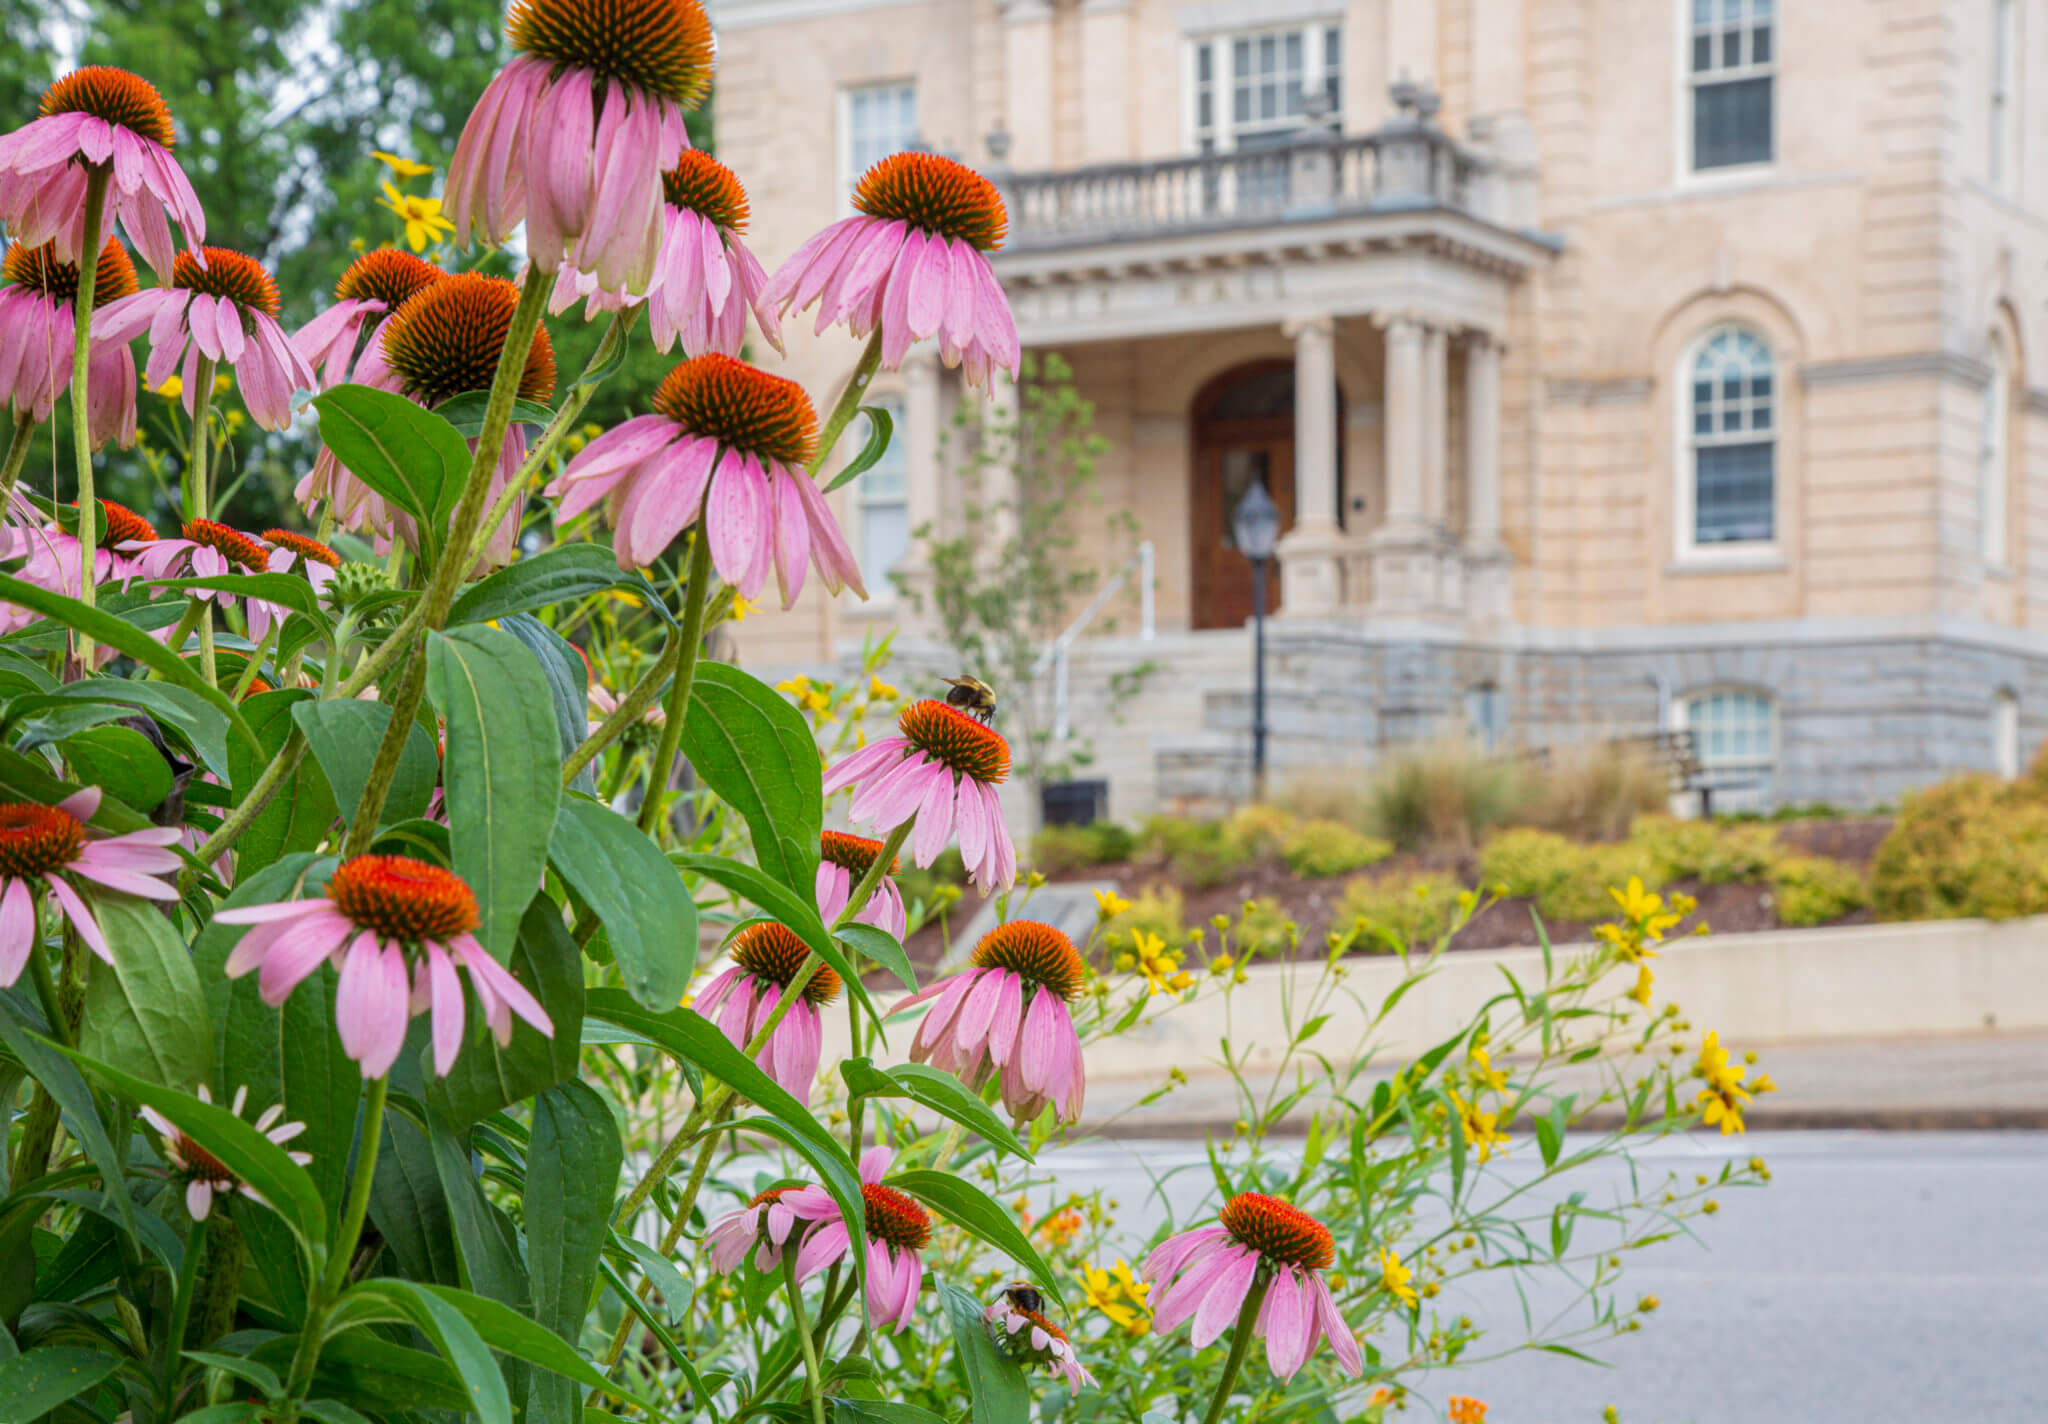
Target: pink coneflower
[[706, 280], [1008, 1014], [762, 1227], [842, 861], [766, 956], [35, 339], [727, 443], [1027, 1337], [897, 1229], [376, 909], [205, 1175], [50, 845], [944, 769], [1206, 1274], [294, 553], [91, 118], [444, 341], [571, 135], [204, 549], [375, 285], [224, 312], [913, 262], [50, 560]]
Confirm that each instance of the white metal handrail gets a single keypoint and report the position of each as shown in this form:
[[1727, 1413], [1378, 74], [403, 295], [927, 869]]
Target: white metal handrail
[[1057, 652]]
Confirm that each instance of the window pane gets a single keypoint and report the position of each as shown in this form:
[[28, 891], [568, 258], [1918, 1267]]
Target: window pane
[[1703, 12], [1205, 110], [1760, 45], [1205, 63], [1702, 53], [1241, 110], [1731, 123], [1293, 52], [1732, 493], [1731, 48]]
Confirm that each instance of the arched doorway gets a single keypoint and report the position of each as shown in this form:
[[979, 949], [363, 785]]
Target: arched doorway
[[1243, 423]]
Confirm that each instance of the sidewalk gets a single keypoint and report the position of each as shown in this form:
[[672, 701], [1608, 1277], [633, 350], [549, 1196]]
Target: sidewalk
[[1977, 1081]]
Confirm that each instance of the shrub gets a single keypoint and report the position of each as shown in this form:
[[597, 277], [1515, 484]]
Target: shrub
[[1812, 889], [1065, 849], [1444, 797], [1970, 846], [1262, 928], [1345, 796], [1395, 912], [1259, 830], [1198, 852], [1157, 910], [1594, 791], [1705, 850], [1567, 880], [918, 882], [1319, 849]]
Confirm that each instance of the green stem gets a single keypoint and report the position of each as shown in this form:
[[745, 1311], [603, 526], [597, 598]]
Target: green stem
[[17, 456], [255, 663], [690, 639], [454, 564], [46, 990], [1240, 1345], [181, 1313], [96, 182], [630, 709], [340, 1252], [674, 1232], [849, 402], [195, 608], [197, 504], [815, 1386]]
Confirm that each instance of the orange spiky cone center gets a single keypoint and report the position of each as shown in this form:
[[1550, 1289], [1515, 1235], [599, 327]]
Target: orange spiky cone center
[[702, 184], [404, 899], [38, 267], [773, 952], [124, 525], [388, 275], [447, 337], [936, 194], [304, 545], [1280, 1231], [202, 1165], [895, 1218], [853, 854], [231, 544], [662, 46], [1036, 953], [741, 407], [36, 839], [949, 735], [116, 96], [227, 273]]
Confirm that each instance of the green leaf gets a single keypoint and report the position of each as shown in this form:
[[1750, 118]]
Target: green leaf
[[557, 575], [647, 912], [670, 1284], [262, 1376], [376, 1374], [996, 1386], [868, 1411], [145, 1012], [344, 735], [880, 426], [486, 1242], [798, 912], [410, 1206], [572, 1173], [486, 1077], [941, 1092], [967, 1206], [568, 685], [23, 779], [185, 715], [882, 947], [466, 412], [508, 1332], [757, 752], [122, 637], [303, 810], [239, 1146], [63, 1083], [120, 761], [33, 1384], [287, 591], [502, 775], [835, 1173], [408, 454], [456, 1339]]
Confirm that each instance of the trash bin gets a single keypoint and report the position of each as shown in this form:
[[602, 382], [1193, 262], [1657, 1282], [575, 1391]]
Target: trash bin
[[1073, 803]]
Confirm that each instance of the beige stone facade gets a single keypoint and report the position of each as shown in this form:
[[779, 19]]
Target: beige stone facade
[[1582, 231]]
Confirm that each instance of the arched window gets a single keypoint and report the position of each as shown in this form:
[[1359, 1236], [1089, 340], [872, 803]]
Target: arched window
[[1735, 737], [1731, 409], [1994, 458]]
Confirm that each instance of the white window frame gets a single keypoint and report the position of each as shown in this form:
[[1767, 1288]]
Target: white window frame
[[849, 169], [1685, 716], [1994, 461], [2005, 132], [2005, 733], [1745, 553], [897, 459], [1689, 84], [1223, 131]]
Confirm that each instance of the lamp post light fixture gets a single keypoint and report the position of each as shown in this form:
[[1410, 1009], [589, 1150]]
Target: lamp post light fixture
[[1255, 527]]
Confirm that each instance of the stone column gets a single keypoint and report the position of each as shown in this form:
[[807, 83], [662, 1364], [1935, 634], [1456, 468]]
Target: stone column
[[1488, 566], [921, 426], [1405, 546], [1436, 422], [1105, 81], [1028, 76], [1310, 580]]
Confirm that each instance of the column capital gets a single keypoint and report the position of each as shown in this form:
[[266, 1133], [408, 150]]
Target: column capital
[[1402, 323], [1479, 338], [1320, 324]]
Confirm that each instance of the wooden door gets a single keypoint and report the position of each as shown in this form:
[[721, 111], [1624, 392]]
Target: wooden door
[[1229, 457]]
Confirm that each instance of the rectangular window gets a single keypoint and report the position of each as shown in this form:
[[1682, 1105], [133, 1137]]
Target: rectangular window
[[1252, 88], [1734, 493], [2002, 165], [883, 495], [876, 120], [1731, 62]]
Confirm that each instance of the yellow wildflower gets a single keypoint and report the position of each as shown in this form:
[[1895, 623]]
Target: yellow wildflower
[[1109, 904], [1394, 1278], [1118, 1295], [402, 167], [1641, 992], [171, 388], [880, 691], [741, 607], [1061, 1227], [1648, 1303], [424, 224], [1464, 1409], [1484, 1074], [1481, 1128], [1160, 965]]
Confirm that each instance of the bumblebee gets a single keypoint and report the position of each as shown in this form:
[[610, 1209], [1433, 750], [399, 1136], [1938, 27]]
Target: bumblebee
[[1024, 1296], [972, 696]]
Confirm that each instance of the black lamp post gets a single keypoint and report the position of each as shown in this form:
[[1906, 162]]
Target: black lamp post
[[1255, 525]]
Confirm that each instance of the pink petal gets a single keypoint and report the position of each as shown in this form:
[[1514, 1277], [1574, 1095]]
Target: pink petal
[[17, 930], [81, 918]]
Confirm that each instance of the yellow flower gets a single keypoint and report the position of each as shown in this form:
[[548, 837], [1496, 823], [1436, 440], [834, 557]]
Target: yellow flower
[[222, 384], [1061, 1227], [796, 686], [1108, 904], [1484, 1074], [880, 691], [1464, 1409], [171, 388], [1641, 992], [1118, 1295], [1160, 965], [741, 607], [402, 167], [1394, 1278], [1648, 1303], [1722, 1106], [424, 224], [1481, 1128]]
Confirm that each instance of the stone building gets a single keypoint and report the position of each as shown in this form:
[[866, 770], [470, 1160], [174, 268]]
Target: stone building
[[1615, 364]]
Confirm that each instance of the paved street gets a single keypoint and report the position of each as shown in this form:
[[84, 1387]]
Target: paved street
[[1880, 1277]]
